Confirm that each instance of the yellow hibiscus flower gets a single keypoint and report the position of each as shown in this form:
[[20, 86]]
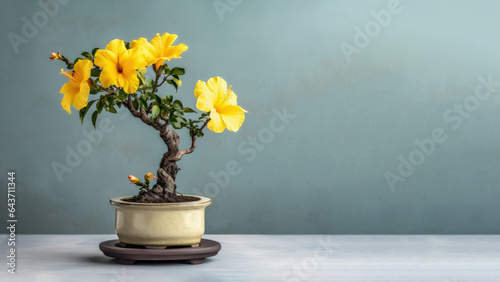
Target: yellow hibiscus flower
[[215, 97], [160, 49], [119, 65], [76, 91]]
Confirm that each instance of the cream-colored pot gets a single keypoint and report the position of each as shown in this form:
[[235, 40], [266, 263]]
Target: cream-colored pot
[[161, 224]]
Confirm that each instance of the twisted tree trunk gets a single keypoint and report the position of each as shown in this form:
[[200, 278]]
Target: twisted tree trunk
[[165, 190]]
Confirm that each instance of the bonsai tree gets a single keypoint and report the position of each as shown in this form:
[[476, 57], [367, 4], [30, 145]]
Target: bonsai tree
[[115, 76]]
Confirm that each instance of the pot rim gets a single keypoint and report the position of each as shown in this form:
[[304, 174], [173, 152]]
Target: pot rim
[[201, 202]]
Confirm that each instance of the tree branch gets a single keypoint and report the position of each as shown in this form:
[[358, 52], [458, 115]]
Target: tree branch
[[140, 114], [193, 141], [150, 108], [164, 79], [155, 89]]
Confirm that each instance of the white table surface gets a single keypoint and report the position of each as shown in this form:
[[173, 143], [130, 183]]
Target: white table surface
[[449, 258]]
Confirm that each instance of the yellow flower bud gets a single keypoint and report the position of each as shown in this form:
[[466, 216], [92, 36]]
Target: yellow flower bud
[[55, 56], [133, 179], [149, 176]]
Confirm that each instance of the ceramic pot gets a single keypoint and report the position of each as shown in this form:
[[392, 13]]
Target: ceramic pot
[[160, 224]]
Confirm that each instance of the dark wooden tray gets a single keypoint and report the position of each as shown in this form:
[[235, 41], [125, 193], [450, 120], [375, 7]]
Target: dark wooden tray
[[129, 254]]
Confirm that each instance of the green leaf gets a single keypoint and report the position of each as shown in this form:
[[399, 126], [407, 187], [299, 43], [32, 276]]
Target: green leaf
[[147, 96], [77, 59], [93, 84], [142, 78], [189, 110], [177, 105], [112, 109], [175, 124], [94, 117], [172, 82], [127, 45], [135, 104], [169, 99], [181, 120], [155, 112], [143, 103], [105, 101], [87, 55], [99, 106], [164, 111], [178, 113], [110, 100], [178, 81], [150, 84], [95, 72], [84, 110], [157, 99], [91, 103], [177, 71], [94, 51], [122, 96], [166, 70]]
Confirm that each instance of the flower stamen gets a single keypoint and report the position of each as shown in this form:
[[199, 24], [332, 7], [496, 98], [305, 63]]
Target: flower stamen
[[228, 94], [70, 75]]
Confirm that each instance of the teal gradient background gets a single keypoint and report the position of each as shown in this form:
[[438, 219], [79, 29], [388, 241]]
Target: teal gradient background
[[323, 172]]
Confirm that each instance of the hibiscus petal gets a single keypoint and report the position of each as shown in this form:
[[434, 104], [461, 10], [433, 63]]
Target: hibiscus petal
[[218, 86], [158, 44], [232, 116], [121, 80], [174, 51], [216, 123], [200, 88], [70, 90], [109, 77], [80, 100], [162, 43], [159, 62], [150, 52], [130, 81], [105, 59], [133, 59], [117, 46], [232, 98], [82, 68], [206, 101], [167, 39], [66, 101]]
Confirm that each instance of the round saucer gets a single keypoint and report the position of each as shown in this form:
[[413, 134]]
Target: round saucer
[[129, 254]]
